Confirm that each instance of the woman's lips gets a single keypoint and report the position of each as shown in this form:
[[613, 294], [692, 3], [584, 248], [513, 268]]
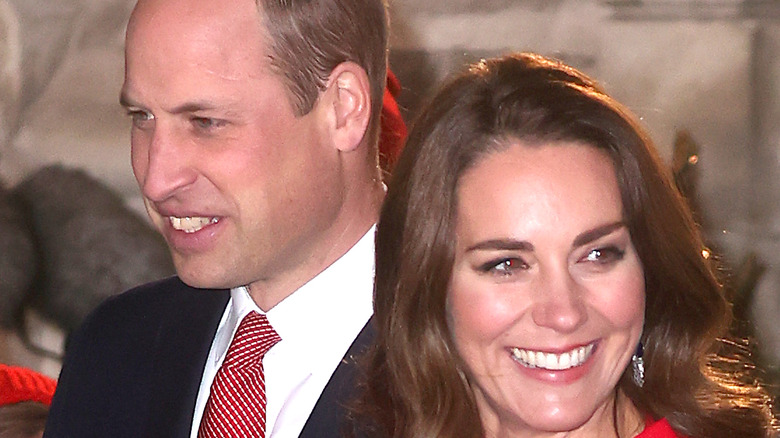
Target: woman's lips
[[553, 361]]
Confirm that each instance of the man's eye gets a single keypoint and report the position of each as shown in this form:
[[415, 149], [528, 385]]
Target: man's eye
[[140, 116], [206, 123]]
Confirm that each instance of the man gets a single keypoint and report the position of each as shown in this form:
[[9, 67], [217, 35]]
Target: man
[[254, 145]]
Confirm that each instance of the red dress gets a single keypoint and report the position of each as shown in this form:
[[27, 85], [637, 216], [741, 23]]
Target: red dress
[[659, 429]]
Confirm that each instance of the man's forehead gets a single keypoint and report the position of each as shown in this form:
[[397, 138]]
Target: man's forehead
[[190, 15], [223, 38]]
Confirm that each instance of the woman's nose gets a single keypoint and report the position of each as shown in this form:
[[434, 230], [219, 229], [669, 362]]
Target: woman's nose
[[558, 303]]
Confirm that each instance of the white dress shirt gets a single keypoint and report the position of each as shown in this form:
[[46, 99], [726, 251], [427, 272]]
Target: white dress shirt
[[317, 324]]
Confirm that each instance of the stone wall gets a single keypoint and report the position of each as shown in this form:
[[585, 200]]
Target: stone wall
[[707, 67]]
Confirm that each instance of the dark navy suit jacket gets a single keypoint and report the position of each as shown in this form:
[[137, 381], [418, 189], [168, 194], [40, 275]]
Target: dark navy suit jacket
[[134, 367]]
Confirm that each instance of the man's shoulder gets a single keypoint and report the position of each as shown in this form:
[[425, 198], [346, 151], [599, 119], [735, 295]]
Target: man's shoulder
[[135, 363], [150, 303], [157, 296], [158, 292], [132, 330]]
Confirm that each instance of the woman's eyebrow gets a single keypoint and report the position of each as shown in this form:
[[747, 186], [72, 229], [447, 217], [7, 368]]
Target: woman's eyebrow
[[596, 233], [502, 244]]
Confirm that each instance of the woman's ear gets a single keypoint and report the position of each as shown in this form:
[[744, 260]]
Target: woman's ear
[[348, 99]]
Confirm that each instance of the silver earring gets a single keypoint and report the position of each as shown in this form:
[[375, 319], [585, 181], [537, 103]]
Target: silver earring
[[638, 365]]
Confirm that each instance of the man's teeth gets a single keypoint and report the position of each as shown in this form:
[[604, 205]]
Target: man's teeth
[[552, 361], [191, 224]]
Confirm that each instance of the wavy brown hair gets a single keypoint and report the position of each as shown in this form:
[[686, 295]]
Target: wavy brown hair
[[415, 385]]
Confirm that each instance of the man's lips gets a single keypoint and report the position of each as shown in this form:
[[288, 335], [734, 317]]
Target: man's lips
[[191, 224]]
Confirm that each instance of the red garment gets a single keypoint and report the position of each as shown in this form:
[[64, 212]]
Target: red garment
[[393, 132], [659, 429], [19, 384]]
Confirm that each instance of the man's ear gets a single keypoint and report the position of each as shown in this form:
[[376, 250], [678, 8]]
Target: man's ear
[[348, 99]]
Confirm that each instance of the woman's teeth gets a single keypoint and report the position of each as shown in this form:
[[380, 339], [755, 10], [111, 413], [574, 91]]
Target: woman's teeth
[[552, 361], [191, 224]]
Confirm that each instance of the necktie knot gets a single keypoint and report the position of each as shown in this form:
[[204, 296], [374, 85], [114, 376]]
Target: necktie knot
[[253, 339]]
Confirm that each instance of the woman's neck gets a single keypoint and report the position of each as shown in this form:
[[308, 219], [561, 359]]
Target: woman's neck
[[630, 422]]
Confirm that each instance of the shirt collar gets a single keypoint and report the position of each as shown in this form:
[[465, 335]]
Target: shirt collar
[[344, 286]]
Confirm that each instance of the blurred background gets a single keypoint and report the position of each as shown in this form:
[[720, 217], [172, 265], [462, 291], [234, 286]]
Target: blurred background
[[703, 76]]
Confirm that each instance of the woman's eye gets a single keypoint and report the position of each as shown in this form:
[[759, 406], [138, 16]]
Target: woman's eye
[[504, 266], [604, 255]]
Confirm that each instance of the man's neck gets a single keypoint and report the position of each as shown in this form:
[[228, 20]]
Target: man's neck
[[354, 224]]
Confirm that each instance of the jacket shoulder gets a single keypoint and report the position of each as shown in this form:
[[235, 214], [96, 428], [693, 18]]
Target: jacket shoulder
[[165, 292], [111, 375]]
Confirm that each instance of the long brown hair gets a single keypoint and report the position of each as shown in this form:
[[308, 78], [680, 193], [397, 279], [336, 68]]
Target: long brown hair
[[415, 386]]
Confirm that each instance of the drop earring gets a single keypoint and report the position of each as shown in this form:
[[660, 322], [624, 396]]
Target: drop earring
[[638, 365]]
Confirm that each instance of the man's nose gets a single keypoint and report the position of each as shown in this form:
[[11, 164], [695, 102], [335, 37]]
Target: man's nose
[[168, 165]]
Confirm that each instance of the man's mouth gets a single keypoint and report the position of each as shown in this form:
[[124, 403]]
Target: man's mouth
[[191, 224], [552, 361]]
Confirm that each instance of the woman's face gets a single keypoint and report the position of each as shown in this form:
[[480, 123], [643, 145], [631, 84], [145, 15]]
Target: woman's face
[[547, 297]]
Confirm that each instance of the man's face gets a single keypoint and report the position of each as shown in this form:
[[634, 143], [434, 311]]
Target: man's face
[[242, 189]]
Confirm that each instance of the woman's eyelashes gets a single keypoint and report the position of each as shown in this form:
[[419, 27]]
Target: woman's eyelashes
[[601, 257], [503, 266], [604, 256]]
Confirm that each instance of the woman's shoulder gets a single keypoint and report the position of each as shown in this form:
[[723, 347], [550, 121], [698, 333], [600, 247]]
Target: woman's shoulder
[[659, 429]]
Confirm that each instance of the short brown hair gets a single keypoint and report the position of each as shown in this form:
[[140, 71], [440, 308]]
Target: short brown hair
[[415, 383], [309, 38]]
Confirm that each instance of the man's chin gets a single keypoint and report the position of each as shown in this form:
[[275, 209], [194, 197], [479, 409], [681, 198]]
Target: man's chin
[[201, 278]]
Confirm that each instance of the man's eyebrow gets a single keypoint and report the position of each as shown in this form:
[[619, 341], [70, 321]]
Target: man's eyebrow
[[502, 245], [188, 107], [596, 233], [192, 107]]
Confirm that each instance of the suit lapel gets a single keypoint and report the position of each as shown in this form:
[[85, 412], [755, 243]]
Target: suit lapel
[[181, 349], [327, 418]]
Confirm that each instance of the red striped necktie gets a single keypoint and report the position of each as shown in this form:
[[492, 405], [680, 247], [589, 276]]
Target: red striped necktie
[[236, 405]]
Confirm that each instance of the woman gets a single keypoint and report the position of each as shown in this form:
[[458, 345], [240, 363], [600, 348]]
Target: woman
[[537, 273]]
